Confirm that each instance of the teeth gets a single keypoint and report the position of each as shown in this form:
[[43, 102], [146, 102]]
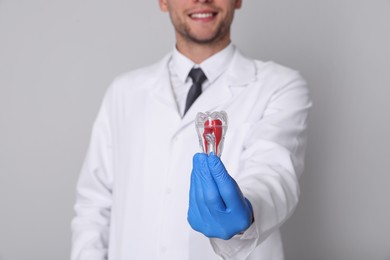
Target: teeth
[[202, 15]]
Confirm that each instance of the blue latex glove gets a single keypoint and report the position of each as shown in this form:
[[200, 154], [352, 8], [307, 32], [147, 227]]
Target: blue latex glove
[[217, 206]]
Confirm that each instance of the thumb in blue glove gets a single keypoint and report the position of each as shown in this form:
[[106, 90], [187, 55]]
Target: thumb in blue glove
[[217, 206]]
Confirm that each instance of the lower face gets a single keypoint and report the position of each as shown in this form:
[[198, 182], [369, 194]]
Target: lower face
[[206, 23]]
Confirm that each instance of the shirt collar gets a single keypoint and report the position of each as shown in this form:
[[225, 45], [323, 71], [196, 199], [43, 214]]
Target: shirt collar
[[213, 67]]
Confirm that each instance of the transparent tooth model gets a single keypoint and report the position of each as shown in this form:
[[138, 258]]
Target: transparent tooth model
[[211, 128]]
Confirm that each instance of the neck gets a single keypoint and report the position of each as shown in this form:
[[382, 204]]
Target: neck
[[198, 52]]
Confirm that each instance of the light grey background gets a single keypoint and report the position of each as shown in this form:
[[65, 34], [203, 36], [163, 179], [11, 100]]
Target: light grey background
[[58, 57]]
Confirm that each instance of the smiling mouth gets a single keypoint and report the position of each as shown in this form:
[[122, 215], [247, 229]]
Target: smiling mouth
[[202, 15]]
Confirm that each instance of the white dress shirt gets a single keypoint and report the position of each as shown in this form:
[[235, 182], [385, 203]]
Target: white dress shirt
[[180, 66]]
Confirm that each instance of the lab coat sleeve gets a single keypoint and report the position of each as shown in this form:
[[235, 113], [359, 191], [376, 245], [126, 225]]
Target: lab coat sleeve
[[270, 165], [90, 226]]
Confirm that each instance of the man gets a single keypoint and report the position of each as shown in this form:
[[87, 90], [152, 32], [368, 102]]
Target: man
[[143, 194]]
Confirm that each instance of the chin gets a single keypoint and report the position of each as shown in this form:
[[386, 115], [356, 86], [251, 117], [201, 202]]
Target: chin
[[204, 39]]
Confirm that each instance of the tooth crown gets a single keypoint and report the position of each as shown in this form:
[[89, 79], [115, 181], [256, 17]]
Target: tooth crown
[[211, 128]]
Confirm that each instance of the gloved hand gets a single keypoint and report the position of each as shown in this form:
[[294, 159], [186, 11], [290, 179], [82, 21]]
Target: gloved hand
[[217, 206]]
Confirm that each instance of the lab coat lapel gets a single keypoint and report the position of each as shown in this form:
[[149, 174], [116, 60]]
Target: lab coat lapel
[[208, 101], [161, 87], [240, 73]]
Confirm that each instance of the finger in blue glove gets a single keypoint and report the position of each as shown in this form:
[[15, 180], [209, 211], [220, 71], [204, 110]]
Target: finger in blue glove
[[217, 206]]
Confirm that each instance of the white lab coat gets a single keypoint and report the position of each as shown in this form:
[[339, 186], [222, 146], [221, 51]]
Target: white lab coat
[[132, 194]]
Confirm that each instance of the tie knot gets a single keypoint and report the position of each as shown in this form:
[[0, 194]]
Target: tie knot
[[197, 75]]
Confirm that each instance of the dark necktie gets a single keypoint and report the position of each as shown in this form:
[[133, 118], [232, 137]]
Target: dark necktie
[[198, 78]]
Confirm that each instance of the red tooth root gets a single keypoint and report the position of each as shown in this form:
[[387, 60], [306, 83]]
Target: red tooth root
[[210, 127]]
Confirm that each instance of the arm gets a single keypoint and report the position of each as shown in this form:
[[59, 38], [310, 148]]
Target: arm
[[90, 226], [270, 164]]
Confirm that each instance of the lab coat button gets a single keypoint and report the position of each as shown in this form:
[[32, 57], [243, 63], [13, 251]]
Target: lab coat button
[[168, 191], [163, 249]]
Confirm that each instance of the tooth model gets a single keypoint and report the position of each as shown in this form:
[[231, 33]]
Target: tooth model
[[211, 128]]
